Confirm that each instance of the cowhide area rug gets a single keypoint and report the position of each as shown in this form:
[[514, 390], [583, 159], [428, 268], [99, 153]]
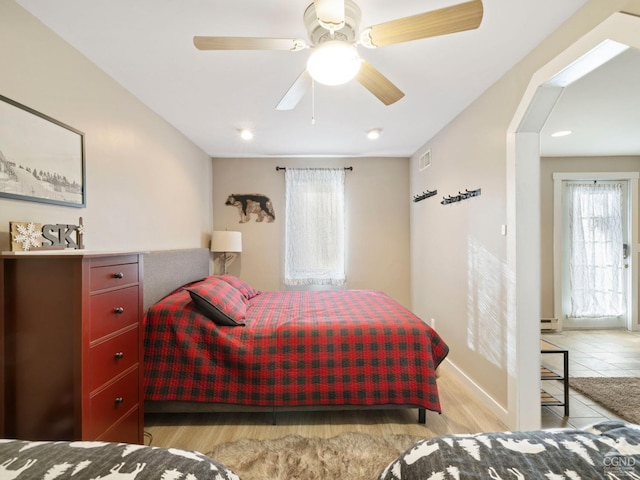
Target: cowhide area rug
[[350, 455]]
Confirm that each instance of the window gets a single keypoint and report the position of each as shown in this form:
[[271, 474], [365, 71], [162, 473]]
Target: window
[[596, 250], [314, 231]]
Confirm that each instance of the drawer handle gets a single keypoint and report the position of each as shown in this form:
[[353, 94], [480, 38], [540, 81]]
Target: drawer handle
[[118, 310], [119, 400], [119, 355], [118, 275]]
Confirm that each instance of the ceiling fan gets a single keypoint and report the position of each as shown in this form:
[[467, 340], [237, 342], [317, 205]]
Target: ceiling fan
[[333, 29]]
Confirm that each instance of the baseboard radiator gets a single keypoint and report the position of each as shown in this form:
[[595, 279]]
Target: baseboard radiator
[[548, 324]]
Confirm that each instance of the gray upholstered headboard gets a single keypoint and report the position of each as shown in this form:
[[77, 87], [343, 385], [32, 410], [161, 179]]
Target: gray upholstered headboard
[[166, 270]]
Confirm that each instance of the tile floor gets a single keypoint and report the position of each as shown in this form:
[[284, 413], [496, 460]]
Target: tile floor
[[592, 353]]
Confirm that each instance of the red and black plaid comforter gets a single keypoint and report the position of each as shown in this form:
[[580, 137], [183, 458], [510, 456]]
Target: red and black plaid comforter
[[338, 347]]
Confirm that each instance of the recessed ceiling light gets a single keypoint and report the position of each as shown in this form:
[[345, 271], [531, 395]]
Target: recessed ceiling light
[[562, 133], [246, 134], [374, 134]]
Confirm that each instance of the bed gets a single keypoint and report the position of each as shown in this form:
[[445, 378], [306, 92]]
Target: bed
[[218, 344]]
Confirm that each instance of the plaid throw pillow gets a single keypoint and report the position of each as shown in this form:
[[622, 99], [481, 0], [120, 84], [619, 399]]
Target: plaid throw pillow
[[220, 302], [247, 290]]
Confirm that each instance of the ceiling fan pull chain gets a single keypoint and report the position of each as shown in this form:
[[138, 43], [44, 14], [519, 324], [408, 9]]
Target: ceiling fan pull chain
[[313, 102]]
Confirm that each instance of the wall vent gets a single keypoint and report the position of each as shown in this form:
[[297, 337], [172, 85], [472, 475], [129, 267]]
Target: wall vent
[[425, 160]]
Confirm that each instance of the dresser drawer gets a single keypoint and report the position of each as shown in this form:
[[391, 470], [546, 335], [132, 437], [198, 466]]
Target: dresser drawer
[[126, 430], [109, 359], [112, 311], [112, 403], [113, 276]]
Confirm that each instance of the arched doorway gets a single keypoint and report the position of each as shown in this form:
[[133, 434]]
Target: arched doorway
[[523, 203]]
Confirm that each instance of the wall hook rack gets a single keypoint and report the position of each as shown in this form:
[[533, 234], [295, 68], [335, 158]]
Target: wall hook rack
[[461, 196], [423, 195]]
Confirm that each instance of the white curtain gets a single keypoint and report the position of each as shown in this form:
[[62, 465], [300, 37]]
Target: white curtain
[[596, 244], [314, 235]]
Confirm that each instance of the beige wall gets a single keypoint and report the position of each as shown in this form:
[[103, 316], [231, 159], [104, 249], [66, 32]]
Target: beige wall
[[549, 166], [377, 220], [458, 252], [148, 187], [460, 270]]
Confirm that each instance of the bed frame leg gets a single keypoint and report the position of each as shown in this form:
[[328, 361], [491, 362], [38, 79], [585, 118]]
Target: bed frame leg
[[273, 418], [422, 415]]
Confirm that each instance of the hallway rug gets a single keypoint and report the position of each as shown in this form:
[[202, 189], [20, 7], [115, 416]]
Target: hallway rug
[[349, 455], [620, 395]]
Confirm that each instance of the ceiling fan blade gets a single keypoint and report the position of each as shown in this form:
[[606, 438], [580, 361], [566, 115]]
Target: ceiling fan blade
[[378, 84], [295, 92], [247, 43], [457, 18]]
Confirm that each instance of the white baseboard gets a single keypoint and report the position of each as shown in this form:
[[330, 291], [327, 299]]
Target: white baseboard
[[482, 396]]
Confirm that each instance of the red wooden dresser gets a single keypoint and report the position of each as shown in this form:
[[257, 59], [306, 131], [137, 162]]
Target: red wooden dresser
[[72, 331]]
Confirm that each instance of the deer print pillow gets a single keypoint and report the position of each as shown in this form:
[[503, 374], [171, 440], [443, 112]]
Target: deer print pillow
[[607, 450], [21, 460]]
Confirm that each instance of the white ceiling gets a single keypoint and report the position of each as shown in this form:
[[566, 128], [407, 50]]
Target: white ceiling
[[146, 45], [602, 109]]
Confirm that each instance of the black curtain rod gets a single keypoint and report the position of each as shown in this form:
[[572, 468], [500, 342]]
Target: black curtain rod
[[284, 168]]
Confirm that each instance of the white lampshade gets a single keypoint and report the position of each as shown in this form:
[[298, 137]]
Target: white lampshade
[[225, 241], [334, 62]]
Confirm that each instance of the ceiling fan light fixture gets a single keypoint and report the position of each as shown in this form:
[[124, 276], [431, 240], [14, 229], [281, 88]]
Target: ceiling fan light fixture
[[334, 62], [330, 14]]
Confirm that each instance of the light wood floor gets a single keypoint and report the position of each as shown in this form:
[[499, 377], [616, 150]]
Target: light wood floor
[[202, 431]]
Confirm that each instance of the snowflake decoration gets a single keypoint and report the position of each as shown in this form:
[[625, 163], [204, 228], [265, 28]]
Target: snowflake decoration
[[27, 236], [80, 229]]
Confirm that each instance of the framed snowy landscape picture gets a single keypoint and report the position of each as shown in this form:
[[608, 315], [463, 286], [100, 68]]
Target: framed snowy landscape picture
[[41, 159]]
